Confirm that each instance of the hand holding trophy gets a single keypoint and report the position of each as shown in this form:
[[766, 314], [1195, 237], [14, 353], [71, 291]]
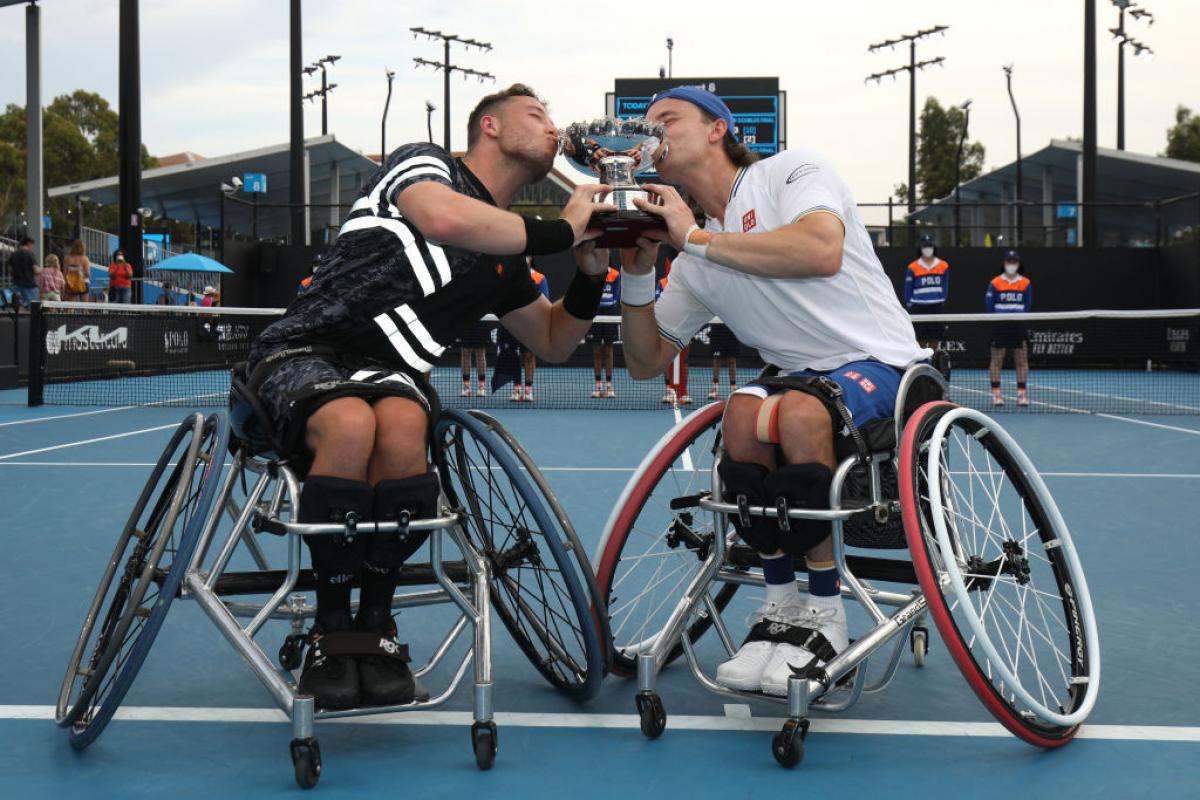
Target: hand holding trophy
[[615, 150]]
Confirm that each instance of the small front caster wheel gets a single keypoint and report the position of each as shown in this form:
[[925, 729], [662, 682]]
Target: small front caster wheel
[[652, 714], [484, 743], [918, 640], [291, 652], [306, 759], [788, 745]]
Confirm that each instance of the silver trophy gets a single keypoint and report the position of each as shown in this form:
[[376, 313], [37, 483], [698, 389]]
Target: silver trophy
[[615, 150]]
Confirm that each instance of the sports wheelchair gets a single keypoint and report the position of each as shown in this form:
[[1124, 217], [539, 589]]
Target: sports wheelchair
[[517, 554], [990, 559]]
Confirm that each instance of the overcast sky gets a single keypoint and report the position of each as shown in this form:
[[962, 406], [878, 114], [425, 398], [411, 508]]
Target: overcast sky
[[214, 73]]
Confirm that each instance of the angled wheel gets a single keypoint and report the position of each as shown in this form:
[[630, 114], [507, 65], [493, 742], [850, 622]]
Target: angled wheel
[[536, 586], [571, 544], [650, 552], [142, 577], [1000, 573]]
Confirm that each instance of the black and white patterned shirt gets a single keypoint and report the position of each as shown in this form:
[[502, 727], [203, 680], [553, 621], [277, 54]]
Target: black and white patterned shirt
[[386, 292]]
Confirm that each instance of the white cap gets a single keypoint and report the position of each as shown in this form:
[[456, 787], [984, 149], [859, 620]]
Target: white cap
[[209, 290]]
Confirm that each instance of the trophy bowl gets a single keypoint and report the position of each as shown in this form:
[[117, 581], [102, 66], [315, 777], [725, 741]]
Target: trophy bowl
[[615, 150]]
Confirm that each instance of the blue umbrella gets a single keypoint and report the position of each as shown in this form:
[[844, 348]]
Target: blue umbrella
[[189, 262]]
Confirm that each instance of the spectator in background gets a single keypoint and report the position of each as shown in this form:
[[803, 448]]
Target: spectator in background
[[1010, 292], [926, 289], [210, 297], [474, 342], [120, 279], [164, 297], [675, 379], [50, 279], [77, 273], [604, 334], [528, 359], [24, 270], [725, 351]]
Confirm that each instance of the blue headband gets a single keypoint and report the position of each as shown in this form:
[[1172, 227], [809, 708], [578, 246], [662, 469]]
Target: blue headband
[[706, 101]]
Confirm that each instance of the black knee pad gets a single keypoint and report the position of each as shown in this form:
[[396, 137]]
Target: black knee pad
[[326, 499], [801, 486], [742, 479], [419, 496]]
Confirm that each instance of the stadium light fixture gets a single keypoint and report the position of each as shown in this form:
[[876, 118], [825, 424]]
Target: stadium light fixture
[[447, 68], [1139, 49]]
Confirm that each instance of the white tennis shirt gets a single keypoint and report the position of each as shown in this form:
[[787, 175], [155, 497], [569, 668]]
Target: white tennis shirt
[[795, 323]]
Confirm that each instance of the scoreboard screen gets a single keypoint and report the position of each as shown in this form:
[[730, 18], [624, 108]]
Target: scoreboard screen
[[759, 108]]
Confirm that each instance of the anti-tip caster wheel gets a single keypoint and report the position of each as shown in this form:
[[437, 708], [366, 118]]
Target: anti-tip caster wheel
[[485, 744], [918, 641], [306, 758], [652, 714], [788, 745]]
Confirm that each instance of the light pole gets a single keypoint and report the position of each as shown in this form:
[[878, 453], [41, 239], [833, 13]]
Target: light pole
[[325, 89], [966, 109], [911, 68], [446, 67], [383, 135], [429, 109], [1017, 114], [1119, 34], [670, 48]]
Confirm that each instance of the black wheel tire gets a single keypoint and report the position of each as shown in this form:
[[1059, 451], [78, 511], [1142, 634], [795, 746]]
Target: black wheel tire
[[485, 743], [652, 715], [788, 752], [306, 760]]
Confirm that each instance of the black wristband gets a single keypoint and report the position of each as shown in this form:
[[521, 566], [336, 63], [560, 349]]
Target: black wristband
[[583, 295], [543, 237]]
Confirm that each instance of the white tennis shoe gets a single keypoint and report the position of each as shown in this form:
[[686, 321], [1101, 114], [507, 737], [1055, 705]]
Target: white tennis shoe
[[830, 623], [745, 670]]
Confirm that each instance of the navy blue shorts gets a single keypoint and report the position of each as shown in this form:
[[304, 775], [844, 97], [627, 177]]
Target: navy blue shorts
[[869, 388]]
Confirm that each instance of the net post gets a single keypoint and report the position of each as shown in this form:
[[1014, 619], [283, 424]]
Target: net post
[[37, 352]]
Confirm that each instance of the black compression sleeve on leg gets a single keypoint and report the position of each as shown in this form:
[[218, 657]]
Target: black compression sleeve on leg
[[335, 561], [742, 484], [543, 237], [583, 295]]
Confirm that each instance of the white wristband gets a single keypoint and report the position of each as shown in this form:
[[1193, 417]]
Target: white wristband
[[637, 290], [692, 249]]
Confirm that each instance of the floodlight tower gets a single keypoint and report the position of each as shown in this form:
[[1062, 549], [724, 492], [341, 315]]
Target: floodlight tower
[[1139, 49], [446, 67], [911, 68]]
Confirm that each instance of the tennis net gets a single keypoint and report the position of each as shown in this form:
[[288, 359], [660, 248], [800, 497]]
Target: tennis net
[[1131, 362]]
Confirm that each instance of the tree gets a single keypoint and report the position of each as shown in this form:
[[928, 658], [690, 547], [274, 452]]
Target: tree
[[80, 135], [937, 146], [1183, 138]]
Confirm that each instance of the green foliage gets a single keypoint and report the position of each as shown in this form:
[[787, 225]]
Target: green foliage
[[80, 135], [937, 147], [1183, 138]]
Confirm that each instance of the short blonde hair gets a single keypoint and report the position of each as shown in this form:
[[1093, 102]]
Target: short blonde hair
[[52, 262]]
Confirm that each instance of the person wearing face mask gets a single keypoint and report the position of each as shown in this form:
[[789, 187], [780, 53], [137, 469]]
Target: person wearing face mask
[[926, 289], [1010, 292]]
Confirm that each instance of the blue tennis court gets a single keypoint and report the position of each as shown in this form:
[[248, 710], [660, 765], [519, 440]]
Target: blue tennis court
[[198, 723]]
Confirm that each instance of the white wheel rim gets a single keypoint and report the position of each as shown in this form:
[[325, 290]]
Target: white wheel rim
[[942, 507]]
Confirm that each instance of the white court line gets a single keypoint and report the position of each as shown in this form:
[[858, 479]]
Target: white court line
[[687, 452], [88, 441], [736, 722], [67, 416], [1117, 417], [1150, 475], [1192, 431]]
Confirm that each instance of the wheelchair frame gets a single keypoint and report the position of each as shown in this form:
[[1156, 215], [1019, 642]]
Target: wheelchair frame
[[803, 693], [262, 514]]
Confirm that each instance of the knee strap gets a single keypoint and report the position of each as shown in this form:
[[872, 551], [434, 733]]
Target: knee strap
[[800, 486], [326, 499], [418, 495], [766, 424], [743, 484]]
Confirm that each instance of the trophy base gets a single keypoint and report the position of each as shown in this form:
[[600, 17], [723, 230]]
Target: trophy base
[[622, 228]]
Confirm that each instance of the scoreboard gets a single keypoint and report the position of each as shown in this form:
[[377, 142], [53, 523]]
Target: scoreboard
[[759, 108]]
